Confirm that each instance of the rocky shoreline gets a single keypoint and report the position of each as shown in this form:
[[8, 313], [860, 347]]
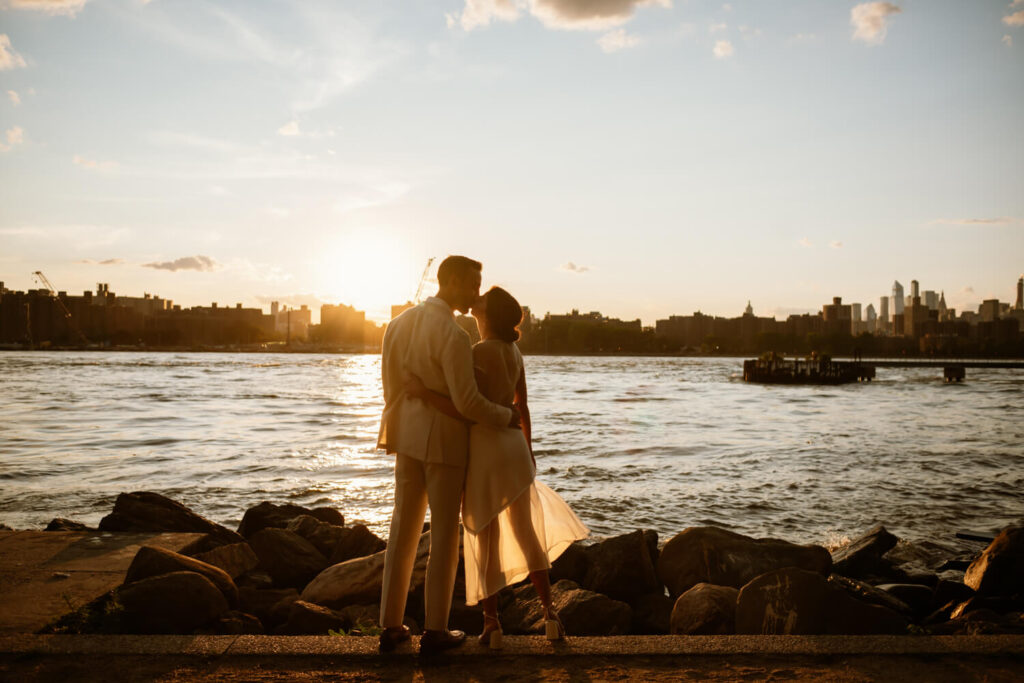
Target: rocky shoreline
[[290, 570]]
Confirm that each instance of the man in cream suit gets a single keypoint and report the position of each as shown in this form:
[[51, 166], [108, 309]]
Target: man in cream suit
[[430, 448]]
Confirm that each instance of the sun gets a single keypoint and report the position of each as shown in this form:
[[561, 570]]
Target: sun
[[368, 269]]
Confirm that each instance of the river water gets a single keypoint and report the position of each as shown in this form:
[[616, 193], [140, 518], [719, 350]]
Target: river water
[[661, 443]]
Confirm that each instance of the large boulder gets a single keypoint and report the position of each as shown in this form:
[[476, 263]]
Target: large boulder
[[305, 618], [235, 559], [152, 561], [705, 610], [268, 515], [794, 601], [621, 567], [723, 558], [652, 614], [322, 535], [148, 511], [999, 570], [358, 581], [356, 541], [61, 524], [289, 558], [179, 602], [583, 612], [862, 558], [916, 596], [572, 564], [865, 592], [235, 623]]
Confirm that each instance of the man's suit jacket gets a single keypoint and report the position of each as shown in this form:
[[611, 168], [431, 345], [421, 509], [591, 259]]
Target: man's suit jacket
[[426, 341]]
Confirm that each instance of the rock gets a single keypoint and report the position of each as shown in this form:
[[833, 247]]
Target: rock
[[268, 515], [262, 602], [178, 602], [368, 616], [356, 541], [863, 557], [794, 601], [652, 614], [621, 568], [914, 595], [147, 511], [946, 591], [358, 581], [289, 558], [235, 559], [705, 610], [723, 558], [322, 535], [865, 592], [255, 579], [583, 612], [4, 527], [468, 618], [651, 536], [61, 524], [1000, 568], [152, 561], [305, 618], [999, 605], [919, 559], [572, 564], [234, 622]]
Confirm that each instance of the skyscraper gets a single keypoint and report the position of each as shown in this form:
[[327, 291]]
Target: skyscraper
[[897, 298], [930, 299], [915, 290], [1019, 305], [883, 310]]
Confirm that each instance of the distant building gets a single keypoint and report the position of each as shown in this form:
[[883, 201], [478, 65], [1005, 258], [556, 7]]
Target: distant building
[[870, 319], [930, 299], [838, 317], [1018, 306], [399, 309], [915, 290], [897, 301], [882, 326], [989, 310]]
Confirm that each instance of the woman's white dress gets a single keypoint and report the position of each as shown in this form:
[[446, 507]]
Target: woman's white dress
[[512, 523]]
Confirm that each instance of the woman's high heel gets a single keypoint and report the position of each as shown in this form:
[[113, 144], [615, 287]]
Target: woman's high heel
[[492, 635], [553, 628]]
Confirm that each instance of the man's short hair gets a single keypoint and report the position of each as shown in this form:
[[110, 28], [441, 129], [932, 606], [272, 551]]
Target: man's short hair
[[457, 267]]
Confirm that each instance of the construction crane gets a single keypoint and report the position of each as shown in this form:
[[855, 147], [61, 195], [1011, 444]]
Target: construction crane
[[423, 281], [45, 282]]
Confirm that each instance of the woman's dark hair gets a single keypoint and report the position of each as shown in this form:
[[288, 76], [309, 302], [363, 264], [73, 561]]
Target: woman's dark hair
[[503, 314]]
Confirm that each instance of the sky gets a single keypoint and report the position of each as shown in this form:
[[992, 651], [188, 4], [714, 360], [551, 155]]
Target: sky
[[638, 158]]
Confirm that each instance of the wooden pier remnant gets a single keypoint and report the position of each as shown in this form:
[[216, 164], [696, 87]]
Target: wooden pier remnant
[[954, 373], [773, 369]]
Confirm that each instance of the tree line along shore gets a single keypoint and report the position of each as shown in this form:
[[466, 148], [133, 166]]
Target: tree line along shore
[[290, 570]]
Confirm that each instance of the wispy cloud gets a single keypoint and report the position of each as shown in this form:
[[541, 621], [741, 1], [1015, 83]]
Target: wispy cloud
[[586, 15], [835, 244], [104, 262], [723, 49], [616, 40], [14, 135], [716, 28], [869, 21], [67, 8], [571, 267], [998, 220], [9, 58], [289, 129], [93, 164], [14, 97], [1015, 19], [1008, 40], [805, 243], [198, 262]]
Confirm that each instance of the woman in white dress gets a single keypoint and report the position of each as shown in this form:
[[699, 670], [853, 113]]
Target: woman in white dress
[[514, 526]]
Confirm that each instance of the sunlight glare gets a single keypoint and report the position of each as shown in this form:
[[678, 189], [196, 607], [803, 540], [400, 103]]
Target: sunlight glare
[[369, 269]]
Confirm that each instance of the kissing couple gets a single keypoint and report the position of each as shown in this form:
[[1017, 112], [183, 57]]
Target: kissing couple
[[457, 419]]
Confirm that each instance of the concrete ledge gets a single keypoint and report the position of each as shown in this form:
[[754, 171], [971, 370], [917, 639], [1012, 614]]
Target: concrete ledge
[[1005, 646]]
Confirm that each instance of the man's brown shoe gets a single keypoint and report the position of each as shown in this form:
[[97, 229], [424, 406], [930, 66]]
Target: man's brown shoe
[[433, 642], [391, 637]]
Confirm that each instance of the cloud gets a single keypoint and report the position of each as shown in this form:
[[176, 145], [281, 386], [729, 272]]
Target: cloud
[[571, 267], [617, 40], [203, 264], [715, 28], [14, 97], [999, 220], [104, 262], [1008, 40], [835, 244], [586, 15], [15, 136], [94, 165], [1015, 19], [68, 8], [9, 58], [805, 243], [869, 21], [723, 49], [289, 129]]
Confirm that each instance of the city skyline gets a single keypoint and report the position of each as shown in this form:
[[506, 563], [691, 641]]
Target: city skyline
[[639, 158]]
